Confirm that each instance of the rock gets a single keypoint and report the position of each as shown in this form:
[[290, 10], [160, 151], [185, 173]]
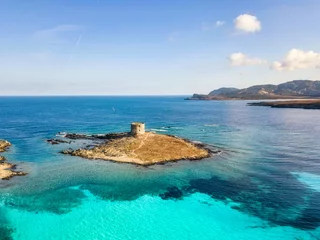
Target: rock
[[7, 170], [172, 193], [4, 145], [57, 141]]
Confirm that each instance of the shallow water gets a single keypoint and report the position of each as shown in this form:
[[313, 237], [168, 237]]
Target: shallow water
[[264, 185]]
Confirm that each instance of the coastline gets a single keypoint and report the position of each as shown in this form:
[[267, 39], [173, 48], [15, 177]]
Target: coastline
[[246, 98]]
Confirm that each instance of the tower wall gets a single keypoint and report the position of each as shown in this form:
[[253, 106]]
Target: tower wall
[[137, 128]]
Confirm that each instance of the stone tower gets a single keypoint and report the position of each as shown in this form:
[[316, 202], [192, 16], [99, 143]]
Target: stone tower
[[137, 128]]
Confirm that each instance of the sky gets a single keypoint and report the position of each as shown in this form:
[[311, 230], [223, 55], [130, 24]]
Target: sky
[[143, 47]]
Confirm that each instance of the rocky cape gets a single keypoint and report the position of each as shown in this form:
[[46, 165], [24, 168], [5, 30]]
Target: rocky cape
[[146, 149], [289, 90], [305, 104], [7, 170]]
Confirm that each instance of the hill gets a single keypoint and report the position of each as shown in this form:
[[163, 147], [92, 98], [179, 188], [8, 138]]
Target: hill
[[292, 89]]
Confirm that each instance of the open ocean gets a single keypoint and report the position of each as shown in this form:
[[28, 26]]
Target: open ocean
[[264, 185]]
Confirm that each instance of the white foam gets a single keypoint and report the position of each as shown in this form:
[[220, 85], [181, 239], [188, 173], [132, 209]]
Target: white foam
[[158, 130]]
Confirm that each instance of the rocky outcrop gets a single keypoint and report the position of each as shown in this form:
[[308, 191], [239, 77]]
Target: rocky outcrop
[[56, 141], [7, 170], [4, 145]]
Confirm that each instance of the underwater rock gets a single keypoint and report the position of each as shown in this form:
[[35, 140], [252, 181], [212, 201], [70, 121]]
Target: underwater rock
[[55, 141]]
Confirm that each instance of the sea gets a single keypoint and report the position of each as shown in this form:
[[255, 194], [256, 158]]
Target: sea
[[265, 183]]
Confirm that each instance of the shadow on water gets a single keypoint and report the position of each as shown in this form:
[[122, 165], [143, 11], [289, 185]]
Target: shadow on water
[[5, 229], [278, 203], [282, 202], [275, 196], [59, 201]]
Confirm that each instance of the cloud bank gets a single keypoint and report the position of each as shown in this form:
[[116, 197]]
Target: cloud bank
[[297, 59]]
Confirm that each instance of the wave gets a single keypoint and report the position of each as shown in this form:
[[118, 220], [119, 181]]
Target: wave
[[211, 125], [158, 130], [171, 127]]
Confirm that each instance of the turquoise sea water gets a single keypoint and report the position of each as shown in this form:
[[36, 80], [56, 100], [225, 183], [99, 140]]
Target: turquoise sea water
[[264, 184]]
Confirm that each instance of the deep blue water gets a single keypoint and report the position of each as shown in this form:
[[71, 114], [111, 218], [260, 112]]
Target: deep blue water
[[264, 185]]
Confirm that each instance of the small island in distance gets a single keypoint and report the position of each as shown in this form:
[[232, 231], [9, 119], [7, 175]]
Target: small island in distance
[[297, 89]]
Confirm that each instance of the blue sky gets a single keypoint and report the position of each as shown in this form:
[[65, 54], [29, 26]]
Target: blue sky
[[126, 47]]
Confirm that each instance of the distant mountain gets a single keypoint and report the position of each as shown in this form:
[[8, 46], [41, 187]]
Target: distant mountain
[[292, 89]]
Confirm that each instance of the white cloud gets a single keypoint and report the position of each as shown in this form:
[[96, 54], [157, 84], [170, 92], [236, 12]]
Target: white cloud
[[298, 59], [247, 23], [220, 23], [240, 59]]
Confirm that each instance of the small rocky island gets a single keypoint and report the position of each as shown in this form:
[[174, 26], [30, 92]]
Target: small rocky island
[[305, 104], [139, 147], [7, 170]]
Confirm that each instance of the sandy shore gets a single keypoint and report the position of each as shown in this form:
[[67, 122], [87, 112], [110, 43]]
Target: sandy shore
[[7, 169], [147, 149]]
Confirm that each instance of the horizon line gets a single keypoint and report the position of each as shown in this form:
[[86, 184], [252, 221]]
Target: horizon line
[[155, 95]]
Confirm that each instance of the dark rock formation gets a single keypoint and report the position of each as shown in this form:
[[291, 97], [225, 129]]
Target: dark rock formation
[[305, 104], [57, 141]]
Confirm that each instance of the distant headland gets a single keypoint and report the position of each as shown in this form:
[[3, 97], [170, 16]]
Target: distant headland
[[305, 104], [139, 147], [304, 89]]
